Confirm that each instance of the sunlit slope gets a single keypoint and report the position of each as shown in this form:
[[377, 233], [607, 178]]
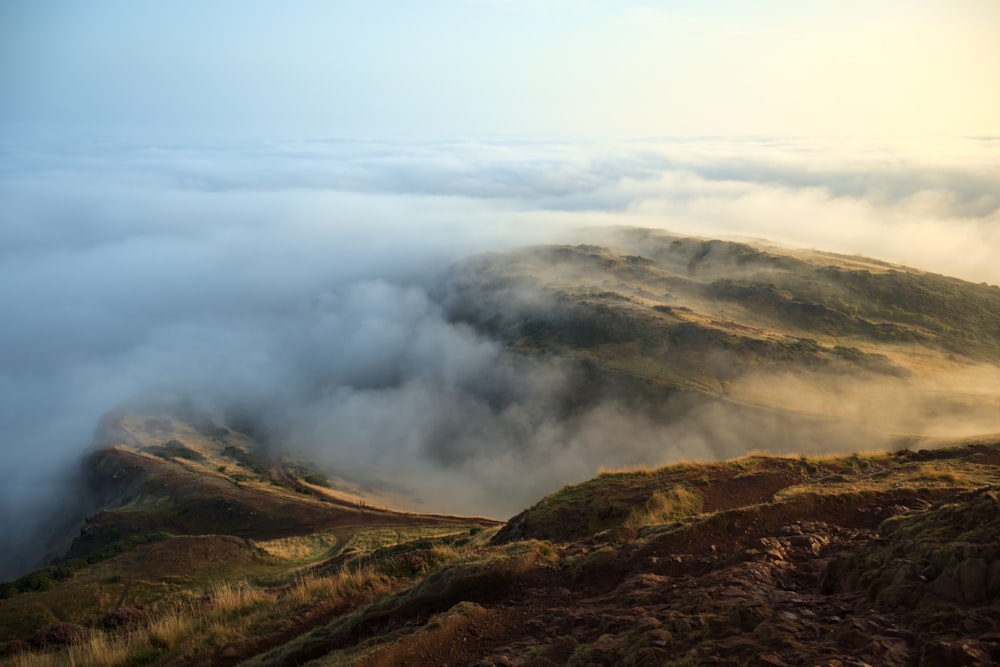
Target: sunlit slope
[[622, 502], [686, 564], [799, 332], [159, 474]]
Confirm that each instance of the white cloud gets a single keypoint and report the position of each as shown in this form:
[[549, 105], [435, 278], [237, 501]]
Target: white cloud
[[299, 275]]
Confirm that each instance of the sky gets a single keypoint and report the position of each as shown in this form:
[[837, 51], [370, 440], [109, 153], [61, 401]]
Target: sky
[[256, 206], [446, 68]]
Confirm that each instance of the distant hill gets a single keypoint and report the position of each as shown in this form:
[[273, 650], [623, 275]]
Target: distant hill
[[176, 478], [815, 336]]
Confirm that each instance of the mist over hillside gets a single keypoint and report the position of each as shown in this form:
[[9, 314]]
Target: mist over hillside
[[312, 285]]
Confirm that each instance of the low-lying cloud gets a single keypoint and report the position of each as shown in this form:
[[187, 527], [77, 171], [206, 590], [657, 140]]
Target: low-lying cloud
[[299, 278]]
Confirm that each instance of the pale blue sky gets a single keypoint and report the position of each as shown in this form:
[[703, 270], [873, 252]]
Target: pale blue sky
[[442, 68]]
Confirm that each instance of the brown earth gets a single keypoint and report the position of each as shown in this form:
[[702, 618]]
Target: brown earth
[[879, 559], [761, 580], [149, 495]]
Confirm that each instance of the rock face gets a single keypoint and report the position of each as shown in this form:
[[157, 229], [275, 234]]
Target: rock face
[[949, 554], [939, 572]]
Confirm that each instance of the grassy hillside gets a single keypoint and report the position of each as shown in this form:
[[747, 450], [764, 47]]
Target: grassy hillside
[[199, 537], [886, 556], [761, 301], [178, 479], [809, 334]]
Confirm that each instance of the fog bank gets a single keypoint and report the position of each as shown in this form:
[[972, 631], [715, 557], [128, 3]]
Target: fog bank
[[300, 278]]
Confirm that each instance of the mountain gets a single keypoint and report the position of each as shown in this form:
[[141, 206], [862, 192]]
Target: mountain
[[867, 534]]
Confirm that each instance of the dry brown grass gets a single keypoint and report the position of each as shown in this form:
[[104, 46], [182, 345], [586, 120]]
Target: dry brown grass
[[945, 474], [168, 630], [665, 506], [234, 610], [98, 650], [34, 660], [312, 589], [605, 471], [229, 596], [300, 548], [102, 650]]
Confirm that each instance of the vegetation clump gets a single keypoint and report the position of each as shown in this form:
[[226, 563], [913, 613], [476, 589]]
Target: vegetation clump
[[249, 460], [41, 580], [174, 449], [664, 506]]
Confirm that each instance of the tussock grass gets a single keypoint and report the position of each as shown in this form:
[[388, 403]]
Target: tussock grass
[[665, 506], [232, 612], [949, 475], [168, 630], [372, 539], [643, 471], [231, 596], [34, 660], [300, 548], [312, 589], [98, 650], [102, 650], [605, 471], [445, 553], [861, 455]]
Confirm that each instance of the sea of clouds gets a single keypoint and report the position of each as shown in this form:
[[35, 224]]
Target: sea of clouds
[[298, 279]]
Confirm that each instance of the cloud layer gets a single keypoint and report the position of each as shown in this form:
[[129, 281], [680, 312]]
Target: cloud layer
[[299, 276]]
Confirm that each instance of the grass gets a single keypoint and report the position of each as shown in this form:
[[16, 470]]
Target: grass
[[665, 506], [948, 475], [168, 630], [633, 498], [376, 538], [627, 498], [231, 612], [476, 575], [205, 593], [175, 449], [311, 589], [858, 474], [301, 548], [418, 557], [234, 596], [636, 470], [97, 650]]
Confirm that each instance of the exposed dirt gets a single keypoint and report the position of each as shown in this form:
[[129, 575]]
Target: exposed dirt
[[888, 559], [754, 600], [732, 490], [808, 579]]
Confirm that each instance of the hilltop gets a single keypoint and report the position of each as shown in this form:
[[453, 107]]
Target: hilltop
[[820, 339]]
